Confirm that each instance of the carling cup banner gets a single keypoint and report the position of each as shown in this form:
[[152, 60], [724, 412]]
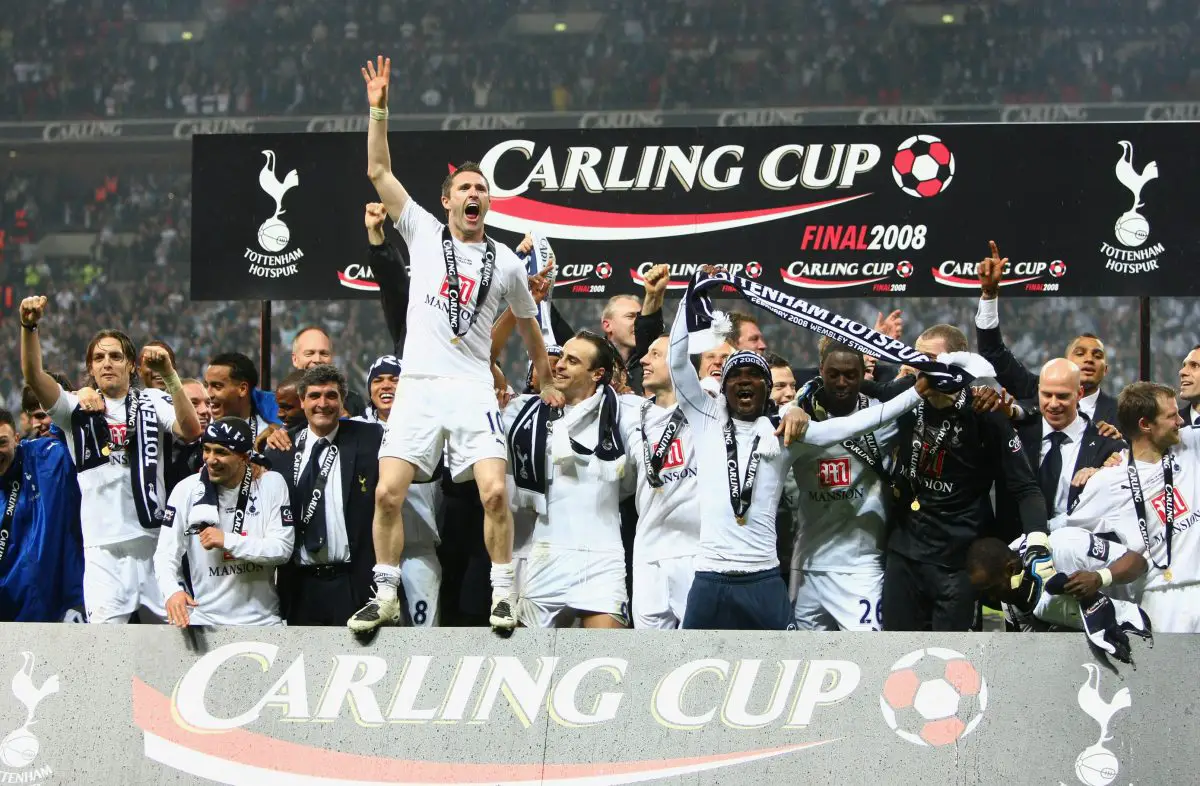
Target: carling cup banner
[[1078, 208]]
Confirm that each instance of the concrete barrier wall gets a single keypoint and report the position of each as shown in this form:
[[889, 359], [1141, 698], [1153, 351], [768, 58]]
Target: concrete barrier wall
[[312, 706]]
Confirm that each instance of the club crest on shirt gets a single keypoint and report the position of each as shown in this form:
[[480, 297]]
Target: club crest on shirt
[[833, 472], [675, 455], [116, 433], [1159, 502], [466, 288], [1014, 444]]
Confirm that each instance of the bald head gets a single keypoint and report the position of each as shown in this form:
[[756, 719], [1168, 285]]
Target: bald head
[[1059, 392], [1059, 371]]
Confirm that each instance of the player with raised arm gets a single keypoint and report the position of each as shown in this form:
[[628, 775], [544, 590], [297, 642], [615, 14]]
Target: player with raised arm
[[741, 470], [120, 455], [445, 398]]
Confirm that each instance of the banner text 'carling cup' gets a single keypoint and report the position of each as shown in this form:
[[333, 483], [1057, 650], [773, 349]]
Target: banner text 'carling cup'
[[1079, 209]]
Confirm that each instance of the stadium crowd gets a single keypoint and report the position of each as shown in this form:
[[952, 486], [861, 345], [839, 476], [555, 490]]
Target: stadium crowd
[[887, 498], [104, 59]]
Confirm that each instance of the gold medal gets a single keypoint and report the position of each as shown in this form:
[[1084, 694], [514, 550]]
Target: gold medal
[[741, 520], [1168, 575], [107, 449], [454, 340], [915, 506]]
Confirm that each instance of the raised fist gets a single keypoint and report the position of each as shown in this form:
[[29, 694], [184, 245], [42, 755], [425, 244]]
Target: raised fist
[[375, 216], [32, 309], [657, 278], [157, 360]]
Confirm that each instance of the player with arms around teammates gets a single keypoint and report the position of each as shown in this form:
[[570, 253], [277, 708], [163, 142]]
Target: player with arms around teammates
[[445, 399]]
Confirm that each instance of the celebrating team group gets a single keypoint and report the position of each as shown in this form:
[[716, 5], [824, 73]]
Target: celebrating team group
[[900, 489]]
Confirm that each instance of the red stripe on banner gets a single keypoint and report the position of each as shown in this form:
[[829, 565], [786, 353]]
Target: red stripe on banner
[[532, 210], [152, 713]]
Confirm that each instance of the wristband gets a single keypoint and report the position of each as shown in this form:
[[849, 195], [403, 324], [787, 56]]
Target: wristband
[[379, 113], [30, 328], [1105, 576], [174, 386]]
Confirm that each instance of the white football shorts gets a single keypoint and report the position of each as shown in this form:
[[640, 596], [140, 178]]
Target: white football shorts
[[560, 584], [837, 601], [432, 415], [660, 592], [118, 579]]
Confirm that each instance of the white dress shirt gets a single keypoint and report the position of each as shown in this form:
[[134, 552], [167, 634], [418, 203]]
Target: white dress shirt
[[337, 543], [1070, 454], [1087, 404]]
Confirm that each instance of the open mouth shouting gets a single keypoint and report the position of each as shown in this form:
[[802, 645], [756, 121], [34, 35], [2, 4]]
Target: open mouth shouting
[[472, 211]]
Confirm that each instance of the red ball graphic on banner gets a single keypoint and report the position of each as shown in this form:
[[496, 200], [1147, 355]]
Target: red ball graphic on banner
[[933, 697], [923, 166]]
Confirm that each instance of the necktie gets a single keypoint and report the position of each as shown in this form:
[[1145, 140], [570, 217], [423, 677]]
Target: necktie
[[314, 531], [1051, 469]]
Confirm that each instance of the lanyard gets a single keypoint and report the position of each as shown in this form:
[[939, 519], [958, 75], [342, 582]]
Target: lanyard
[[318, 492], [654, 459], [919, 459], [1139, 505], [740, 492], [10, 506], [454, 285]]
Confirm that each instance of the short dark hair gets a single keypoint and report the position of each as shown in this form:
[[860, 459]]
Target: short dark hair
[[159, 343], [991, 556], [29, 400], [7, 417], [466, 166], [292, 380], [956, 340], [776, 361], [126, 347], [61, 379], [1139, 400], [827, 346], [241, 368], [1075, 341], [321, 374], [606, 353]]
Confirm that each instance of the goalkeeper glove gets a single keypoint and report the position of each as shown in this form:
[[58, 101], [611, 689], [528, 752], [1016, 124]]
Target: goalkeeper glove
[[1108, 623]]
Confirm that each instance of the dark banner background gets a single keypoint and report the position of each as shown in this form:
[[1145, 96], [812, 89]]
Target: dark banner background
[[1051, 195]]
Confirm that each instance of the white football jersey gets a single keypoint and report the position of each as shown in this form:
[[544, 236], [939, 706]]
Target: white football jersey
[[669, 516], [428, 347], [234, 585], [1072, 549], [1106, 505], [107, 512], [842, 518]]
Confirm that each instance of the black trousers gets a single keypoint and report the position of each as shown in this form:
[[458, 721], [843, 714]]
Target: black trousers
[[321, 596], [919, 596], [749, 601]]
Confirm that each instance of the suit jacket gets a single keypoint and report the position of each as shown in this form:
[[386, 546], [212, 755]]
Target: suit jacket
[[358, 454], [1093, 452], [1187, 413], [1022, 383]]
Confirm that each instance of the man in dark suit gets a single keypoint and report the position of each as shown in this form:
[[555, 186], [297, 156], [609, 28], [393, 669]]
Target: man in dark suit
[[332, 468], [1189, 388], [1086, 351], [1059, 441]]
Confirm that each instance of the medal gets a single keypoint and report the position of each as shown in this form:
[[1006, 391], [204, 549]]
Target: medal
[[1168, 575], [915, 506], [741, 520], [454, 340], [107, 449]]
